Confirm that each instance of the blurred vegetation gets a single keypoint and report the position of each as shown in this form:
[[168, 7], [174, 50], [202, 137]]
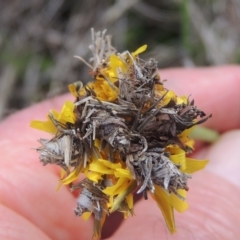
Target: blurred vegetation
[[38, 39]]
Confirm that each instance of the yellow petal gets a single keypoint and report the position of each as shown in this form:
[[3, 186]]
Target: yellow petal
[[158, 89], [120, 172], [71, 177], [115, 63], [180, 159], [110, 164], [110, 201], [67, 113], [174, 149], [125, 214], [62, 174], [75, 88], [95, 177], [97, 143], [193, 165], [100, 168], [129, 199], [59, 186], [115, 189], [163, 202], [186, 132], [86, 215], [46, 126], [109, 92], [172, 199], [102, 89], [120, 197], [183, 99], [189, 143], [177, 203], [139, 50], [168, 97]]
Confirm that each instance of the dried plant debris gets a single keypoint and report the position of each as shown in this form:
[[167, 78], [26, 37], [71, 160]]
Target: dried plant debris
[[125, 133]]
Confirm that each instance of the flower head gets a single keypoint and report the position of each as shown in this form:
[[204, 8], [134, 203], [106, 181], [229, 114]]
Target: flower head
[[125, 133]]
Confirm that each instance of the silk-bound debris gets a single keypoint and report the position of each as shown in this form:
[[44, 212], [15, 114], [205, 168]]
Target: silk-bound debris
[[126, 134]]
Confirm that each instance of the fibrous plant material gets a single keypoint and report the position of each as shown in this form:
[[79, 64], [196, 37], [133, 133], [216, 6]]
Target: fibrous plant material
[[125, 133]]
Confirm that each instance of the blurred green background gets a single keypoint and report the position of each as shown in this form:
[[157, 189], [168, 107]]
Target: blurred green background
[[38, 39]]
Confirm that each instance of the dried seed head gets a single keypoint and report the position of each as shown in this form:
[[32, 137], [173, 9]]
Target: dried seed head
[[125, 130]]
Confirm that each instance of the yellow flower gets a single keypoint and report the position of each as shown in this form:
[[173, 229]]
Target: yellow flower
[[134, 136]]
